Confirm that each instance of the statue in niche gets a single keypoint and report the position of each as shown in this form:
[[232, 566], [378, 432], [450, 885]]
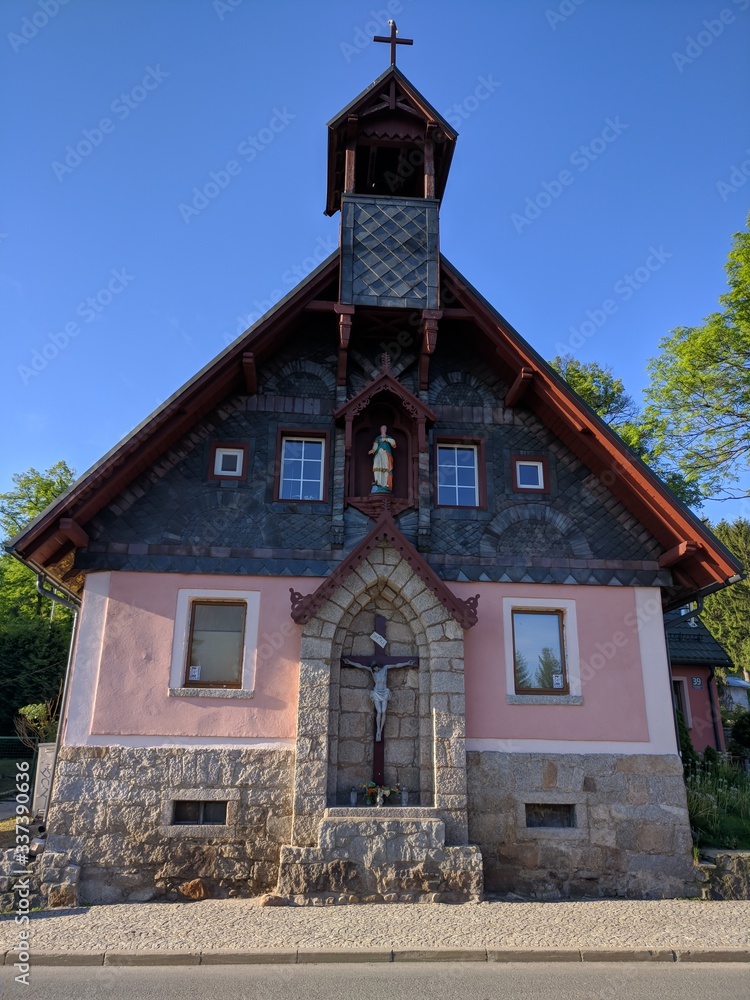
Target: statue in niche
[[380, 693], [382, 463]]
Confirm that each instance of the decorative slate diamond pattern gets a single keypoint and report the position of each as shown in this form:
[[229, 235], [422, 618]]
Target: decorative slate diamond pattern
[[389, 252]]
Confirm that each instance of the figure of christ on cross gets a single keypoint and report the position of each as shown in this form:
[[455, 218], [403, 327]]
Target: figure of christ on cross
[[379, 663]]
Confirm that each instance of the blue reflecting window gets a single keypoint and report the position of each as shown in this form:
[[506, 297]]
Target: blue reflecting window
[[302, 469], [457, 476]]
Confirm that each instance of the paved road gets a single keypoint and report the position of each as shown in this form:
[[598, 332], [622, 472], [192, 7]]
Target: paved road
[[415, 981]]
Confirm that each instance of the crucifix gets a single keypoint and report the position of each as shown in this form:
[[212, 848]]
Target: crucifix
[[379, 663], [393, 40]]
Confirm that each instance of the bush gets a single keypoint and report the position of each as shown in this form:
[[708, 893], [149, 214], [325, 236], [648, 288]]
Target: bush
[[740, 743]]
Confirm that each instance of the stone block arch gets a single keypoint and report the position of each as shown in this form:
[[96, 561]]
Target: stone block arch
[[512, 518], [382, 579], [460, 388], [301, 377]]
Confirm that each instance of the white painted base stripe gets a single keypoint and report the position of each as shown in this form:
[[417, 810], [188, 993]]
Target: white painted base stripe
[[272, 742], [564, 746]]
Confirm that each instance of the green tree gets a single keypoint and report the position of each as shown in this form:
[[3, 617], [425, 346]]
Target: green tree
[[605, 394], [549, 665], [598, 387], [523, 677], [34, 632], [699, 397], [727, 613]]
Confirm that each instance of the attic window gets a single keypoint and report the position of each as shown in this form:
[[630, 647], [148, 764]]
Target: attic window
[[529, 472], [228, 460]]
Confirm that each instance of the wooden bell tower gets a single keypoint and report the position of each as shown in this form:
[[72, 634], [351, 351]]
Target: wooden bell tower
[[389, 153]]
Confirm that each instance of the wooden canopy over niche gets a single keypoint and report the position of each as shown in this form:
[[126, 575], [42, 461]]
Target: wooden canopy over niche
[[383, 401]]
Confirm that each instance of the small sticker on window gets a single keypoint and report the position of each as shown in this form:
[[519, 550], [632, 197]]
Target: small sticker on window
[[557, 681], [194, 673]]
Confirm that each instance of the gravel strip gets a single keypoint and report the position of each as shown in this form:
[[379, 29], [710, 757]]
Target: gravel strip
[[241, 924]]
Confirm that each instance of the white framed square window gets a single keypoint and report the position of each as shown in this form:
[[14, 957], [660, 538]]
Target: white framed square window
[[303, 464], [229, 462], [529, 475], [215, 644], [457, 475], [540, 642]]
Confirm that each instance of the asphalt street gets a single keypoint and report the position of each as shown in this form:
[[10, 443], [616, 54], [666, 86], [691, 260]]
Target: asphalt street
[[407, 981]]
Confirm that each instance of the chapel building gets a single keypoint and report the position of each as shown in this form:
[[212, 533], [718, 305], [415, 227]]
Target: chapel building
[[376, 549]]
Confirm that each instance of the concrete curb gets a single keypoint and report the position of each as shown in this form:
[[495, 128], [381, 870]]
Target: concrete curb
[[306, 956]]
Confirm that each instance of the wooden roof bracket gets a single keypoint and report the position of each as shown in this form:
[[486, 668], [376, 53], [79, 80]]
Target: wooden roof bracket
[[520, 387], [430, 319], [250, 373], [71, 530], [346, 315], [681, 551]]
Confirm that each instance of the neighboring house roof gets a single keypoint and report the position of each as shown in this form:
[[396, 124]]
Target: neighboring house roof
[[737, 682], [695, 558], [693, 645]]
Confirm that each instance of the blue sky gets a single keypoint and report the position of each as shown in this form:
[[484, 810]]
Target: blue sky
[[594, 163]]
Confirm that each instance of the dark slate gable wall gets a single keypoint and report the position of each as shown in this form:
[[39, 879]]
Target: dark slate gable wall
[[175, 519]]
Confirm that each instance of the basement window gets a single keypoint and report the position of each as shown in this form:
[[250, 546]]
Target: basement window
[[199, 813], [559, 815]]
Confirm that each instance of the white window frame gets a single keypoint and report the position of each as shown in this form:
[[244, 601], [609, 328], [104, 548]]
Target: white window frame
[[305, 439], [181, 644], [456, 447], [539, 466], [571, 650], [219, 454]]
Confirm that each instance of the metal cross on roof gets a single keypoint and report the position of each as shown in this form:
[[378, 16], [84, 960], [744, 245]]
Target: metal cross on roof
[[393, 40]]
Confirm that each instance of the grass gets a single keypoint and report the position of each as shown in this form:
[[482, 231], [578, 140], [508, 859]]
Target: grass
[[7, 833], [718, 798]]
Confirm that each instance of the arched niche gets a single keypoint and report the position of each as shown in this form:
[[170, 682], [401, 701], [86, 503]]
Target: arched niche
[[383, 402]]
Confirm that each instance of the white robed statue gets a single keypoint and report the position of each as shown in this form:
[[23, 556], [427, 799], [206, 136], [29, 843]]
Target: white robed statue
[[380, 693]]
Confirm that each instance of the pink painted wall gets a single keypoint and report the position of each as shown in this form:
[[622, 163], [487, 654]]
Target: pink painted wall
[[613, 708], [131, 695], [702, 729], [131, 690]]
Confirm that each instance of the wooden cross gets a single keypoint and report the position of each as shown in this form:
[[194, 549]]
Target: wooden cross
[[379, 663], [393, 40]]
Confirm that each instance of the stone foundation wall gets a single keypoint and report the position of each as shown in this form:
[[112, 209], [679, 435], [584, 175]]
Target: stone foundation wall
[[111, 813], [631, 836]]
